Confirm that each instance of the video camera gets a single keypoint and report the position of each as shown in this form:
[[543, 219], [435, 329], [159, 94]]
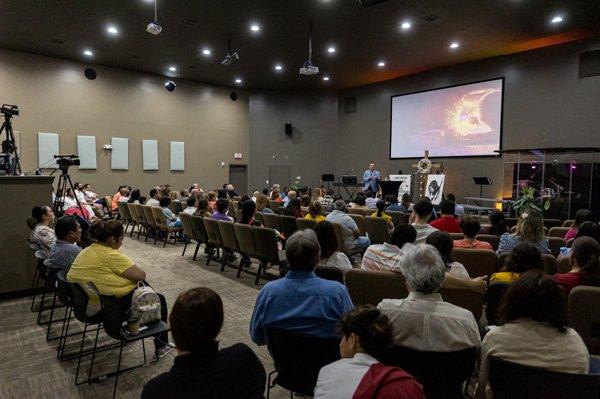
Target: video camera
[[64, 161], [10, 110]]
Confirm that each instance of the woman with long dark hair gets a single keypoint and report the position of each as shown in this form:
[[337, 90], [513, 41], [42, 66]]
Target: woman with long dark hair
[[330, 250], [585, 265]]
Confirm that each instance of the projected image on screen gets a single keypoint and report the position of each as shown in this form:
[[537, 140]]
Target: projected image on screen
[[456, 121]]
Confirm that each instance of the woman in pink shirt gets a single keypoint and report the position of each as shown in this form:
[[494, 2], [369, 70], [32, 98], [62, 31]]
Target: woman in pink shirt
[[582, 216], [470, 227], [585, 265]]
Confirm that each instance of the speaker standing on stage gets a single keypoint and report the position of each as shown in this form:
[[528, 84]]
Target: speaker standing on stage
[[371, 178]]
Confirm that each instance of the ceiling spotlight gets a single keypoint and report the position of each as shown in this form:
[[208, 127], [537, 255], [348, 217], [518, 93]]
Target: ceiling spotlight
[[170, 85], [112, 30], [254, 28], [557, 19], [172, 69], [381, 64], [88, 53], [454, 45], [331, 50], [405, 25], [206, 51], [326, 78], [238, 81], [278, 67]]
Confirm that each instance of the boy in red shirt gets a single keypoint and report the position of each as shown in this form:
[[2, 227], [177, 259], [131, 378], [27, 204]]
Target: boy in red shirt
[[447, 222]]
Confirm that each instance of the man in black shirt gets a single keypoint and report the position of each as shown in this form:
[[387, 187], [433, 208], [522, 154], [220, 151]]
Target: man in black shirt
[[200, 369]]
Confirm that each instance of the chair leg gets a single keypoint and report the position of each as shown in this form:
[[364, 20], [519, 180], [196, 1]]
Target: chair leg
[[184, 248], [258, 272], [85, 325], [118, 370], [196, 251], [224, 261], [156, 232], [51, 314], [65, 332], [209, 257], [34, 282], [93, 353], [41, 307], [35, 286], [167, 239]]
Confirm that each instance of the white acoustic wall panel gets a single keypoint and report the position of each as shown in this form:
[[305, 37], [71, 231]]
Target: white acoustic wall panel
[[150, 154], [86, 150], [119, 157], [48, 147], [177, 155]]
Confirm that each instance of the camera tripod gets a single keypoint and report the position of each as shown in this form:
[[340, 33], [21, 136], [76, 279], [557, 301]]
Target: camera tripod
[[64, 182], [11, 164]]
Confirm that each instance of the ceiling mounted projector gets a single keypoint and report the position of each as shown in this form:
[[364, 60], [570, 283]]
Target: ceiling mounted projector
[[308, 68], [153, 27], [231, 56]]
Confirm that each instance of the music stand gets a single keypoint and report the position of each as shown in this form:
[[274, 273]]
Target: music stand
[[328, 177], [349, 181], [482, 181]]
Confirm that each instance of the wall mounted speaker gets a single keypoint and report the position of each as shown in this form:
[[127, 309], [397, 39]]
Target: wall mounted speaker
[[233, 96], [288, 129], [90, 73], [170, 86]]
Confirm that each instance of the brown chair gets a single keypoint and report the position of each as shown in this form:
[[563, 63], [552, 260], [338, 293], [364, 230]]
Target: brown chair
[[360, 222], [495, 293], [377, 229], [457, 236], [108, 201], [584, 317], [493, 240], [287, 225], [133, 217], [268, 251], [558, 232], [199, 233], [238, 214], [214, 236], [141, 219], [370, 287], [229, 240], [150, 221], [357, 211], [550, 223], [466, 299], [568, 223], [339, 234], [188, 229], [564, 264], [124, 214], [478, 262], [275, 205], [510, 222], [398, 217], [161, 224], [271, 221], [304, 224], [176, 207], [549, 263], [554, 244], [245, 239]]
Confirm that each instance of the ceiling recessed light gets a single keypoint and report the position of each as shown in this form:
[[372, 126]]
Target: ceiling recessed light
[[454, 45], [557, 19], [254, 28], [206, 51], [405, 25], [331, 50], [238, 81], [172, 69], [278, 67], [326, 78], [88, 53], [112, 30]]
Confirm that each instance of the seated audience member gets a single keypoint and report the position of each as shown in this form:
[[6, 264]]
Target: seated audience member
[[317, 193], [111, 271], [201, 369], [350, 232], [291, 195], [585, 265], [442, 241], [243, 199], [447, 222], [497, 224], [406, 204], [470, 227], [221, 212], [386, 256], [459, 210], [371, 200], [327, 201], [359, 202], [421, 213], [535, 333], [65, 250], [42, 233], [88, 194], [262, 204], [423, 321], [134, 197], [174, 195], [587, 229], [231, 191], [300, 302], [248, 213], [314, 212], [522, 258], [154, 199], [170, 217], [581, 216], [191, 206], [203, 209], [366, 335], [123, 192], [183, 195], [330, 251], [393, 205], [212, 200], [305, 201], [293, 208], [275, 196], [530, 229], [381, 214]]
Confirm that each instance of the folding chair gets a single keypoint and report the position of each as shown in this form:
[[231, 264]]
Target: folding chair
[[245, 239], [370, 287], [360, 222], [229, 240], [199, 233], [377, 229], [161, 225], [478, 262], [268, 251], [188, 229], [214, 237]]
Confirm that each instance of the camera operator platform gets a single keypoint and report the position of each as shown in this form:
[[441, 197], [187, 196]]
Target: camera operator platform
[[9, 158], [65, 182]]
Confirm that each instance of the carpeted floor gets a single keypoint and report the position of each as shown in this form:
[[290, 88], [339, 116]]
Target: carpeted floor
[[28, 364]]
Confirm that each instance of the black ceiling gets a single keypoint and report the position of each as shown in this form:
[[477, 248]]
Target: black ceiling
[[362, 36]]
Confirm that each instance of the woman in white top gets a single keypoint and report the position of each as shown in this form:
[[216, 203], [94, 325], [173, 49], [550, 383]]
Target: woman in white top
[[366, 334], [330, 254], [443, 242], [535, 333], [43, 234]]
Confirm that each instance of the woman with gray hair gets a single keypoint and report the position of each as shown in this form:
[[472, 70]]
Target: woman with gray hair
[[423, 321]]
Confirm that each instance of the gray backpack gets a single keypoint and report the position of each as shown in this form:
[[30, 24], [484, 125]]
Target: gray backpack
[[145, 304]]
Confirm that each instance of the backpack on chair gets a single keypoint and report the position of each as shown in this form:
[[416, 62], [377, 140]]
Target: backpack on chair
[[145, 304]]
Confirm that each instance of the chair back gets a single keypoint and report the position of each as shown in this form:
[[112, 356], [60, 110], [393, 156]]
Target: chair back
[[63, 291], [495, 293], [238, 214], [554, 244], [80, 301], [511, 222], [377, 229], [231, 209], [370, 287], [398, 217], [466, 299], [493, 240], [108, 200], [457, 236], [159, 217], [271, 220], [549, 263], [275, 205], [186, 223], [149, 216], [442, 374], [228, 235], [113, 315], [304, 224], [139, 211], [584, 317], [287, 224], [550, 223], [564, 264], [298, 358], [123, 211], [330, 273], [357, 211], [478, 262], [132, 212], [568, 223], [360, 222], [510, 380], [558, 232], [212, 231], [266, 244], [339, 234], [176, 207], [245, 239], [199, 230]]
